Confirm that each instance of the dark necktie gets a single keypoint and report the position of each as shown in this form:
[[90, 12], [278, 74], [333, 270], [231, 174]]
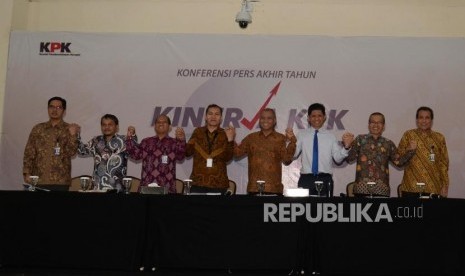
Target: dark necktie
[[315, 154]]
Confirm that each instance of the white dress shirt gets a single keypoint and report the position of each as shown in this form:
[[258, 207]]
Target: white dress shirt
[[328, 150]]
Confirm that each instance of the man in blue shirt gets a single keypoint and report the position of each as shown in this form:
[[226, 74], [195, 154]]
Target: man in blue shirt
[[318, 148]]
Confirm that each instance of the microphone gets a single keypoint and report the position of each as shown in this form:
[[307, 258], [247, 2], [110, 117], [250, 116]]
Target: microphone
[[28, 187], [330, 192], [434, 196]]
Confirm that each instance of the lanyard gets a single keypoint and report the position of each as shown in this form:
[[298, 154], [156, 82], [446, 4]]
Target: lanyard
[[210, 143]]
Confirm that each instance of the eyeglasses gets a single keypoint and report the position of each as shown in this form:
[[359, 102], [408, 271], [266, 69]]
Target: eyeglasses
[[376, 123], [55, 107]]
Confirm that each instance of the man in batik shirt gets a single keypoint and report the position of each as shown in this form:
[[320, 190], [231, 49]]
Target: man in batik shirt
[[373, 153], [159, 153], [430, 164], [50, 147], [266, 151], [110, 155], [212, 148]]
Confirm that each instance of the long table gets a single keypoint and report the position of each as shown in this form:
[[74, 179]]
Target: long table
[[90, 231]]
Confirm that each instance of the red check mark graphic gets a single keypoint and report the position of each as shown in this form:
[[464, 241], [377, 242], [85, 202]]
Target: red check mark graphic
[[250, 124]]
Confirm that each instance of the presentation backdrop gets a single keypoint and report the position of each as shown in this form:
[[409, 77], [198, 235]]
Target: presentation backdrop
[[139, 76]]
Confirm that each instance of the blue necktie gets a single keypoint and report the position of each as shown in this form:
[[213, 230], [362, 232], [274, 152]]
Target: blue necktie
[[315, 154]]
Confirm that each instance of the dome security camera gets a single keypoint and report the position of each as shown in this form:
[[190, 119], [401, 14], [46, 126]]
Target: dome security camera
[[243, 17]]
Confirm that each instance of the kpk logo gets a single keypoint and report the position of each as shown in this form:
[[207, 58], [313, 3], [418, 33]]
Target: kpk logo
[[191, 116], [56, 49]]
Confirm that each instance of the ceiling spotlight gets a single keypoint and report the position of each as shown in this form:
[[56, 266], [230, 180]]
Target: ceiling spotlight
[[243, 17]]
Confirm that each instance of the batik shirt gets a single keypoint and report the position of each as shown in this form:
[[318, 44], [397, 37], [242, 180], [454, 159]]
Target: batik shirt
[[152, 151], [40, 156], [373, 157], [266, 154], [421, 168], [204, 145], [110, 160]]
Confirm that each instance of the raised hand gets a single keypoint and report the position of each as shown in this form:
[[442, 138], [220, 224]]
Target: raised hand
[[179, 133], [131, 131], [74, 129], [289, 133], [230, 132], [347, 139]]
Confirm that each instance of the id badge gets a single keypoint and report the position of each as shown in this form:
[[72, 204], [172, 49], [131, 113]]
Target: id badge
[[431, 157], [209, 162], [164, 159], [56, 150]]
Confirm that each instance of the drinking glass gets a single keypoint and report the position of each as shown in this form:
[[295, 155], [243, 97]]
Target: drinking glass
[[127, 182], [260, 186], [370, 186], [421, 186], [85, 183], [187, 186], [34, 180], [319, 187]]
